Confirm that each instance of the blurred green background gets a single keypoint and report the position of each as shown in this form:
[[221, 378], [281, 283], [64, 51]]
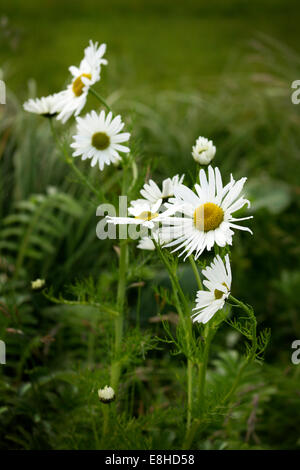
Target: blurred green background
[[176, 70], [165, 44]]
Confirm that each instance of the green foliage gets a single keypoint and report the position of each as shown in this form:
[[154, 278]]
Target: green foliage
[[33, 229], [60, 342]]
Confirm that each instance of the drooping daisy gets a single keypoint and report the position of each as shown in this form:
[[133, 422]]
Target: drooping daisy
[[147, 243], [203, 151], [45, 106], [152, 193], [144, 214], [207, 216], [72, 100], [106, 394], [99, 138], [218, 283]]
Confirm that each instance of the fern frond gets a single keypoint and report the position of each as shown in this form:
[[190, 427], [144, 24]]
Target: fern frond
[[32, 231]]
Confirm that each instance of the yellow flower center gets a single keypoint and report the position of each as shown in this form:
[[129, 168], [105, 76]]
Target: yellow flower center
[[100, 140], [78, 85], [208, 217], [147, 215], [218, 294]]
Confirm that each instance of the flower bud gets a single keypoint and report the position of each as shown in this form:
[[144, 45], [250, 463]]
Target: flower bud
[[203, 151], [38, 284], [106, 394]]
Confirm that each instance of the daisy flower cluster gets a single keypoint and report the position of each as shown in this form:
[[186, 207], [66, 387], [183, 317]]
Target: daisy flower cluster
[[167, 216], [72, 100], [189, 221], [152, 209], [192, 221], [99, 137]]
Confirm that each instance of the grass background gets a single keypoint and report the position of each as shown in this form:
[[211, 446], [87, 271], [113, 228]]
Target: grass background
[[176, 70], [164, 45]]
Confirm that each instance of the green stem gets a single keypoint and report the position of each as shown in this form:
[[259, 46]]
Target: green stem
[[61, 300], [235, 383], [106, 410], [99, 98], [70, 162], [202, 371], [116, 367], [189, 393], [174, 281], [138, 308], [203, 364], [252, 354], [92, 342], [252, 317], [190, 435], [186, 325], [119, 321], [173, 277], [196, 272], [201, 391], [191, 430]]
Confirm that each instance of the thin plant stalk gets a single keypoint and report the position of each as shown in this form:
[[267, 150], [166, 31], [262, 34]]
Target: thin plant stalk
[[99, 98], [196, 272], [203, 365], [178, 290], [119, 321], [121, 292], [116, 367], [70, 162], [253, 349], [189, 394], [203, 369]]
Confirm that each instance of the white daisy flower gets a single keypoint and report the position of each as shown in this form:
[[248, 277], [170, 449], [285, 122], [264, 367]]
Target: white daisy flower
[[99, 138], [106, 394], [93, 55], [203, 151], [152, 193], [44, 106], [144, 214], [72, 100], [218, 283], [207, 216]]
